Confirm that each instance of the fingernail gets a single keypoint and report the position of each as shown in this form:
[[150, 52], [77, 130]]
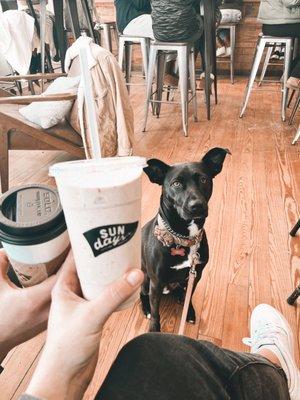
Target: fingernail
[[134, 277]]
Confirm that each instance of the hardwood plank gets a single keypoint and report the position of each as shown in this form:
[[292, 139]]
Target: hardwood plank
[[17, 366], [235, 320], [254, 204]]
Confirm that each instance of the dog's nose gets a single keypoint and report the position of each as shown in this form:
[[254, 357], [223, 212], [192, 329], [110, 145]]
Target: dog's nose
[[197, 206]]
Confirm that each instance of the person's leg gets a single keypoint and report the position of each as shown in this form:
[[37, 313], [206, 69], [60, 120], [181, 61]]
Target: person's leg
[[171, 367], [282, 30], [256, 379], [294, 80], [162, 366], [140, 26], [296, 70], [291, 30], [272, 338]]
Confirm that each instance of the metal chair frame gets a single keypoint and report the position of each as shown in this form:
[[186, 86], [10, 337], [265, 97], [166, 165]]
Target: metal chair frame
[[126, 43], [232, 30]]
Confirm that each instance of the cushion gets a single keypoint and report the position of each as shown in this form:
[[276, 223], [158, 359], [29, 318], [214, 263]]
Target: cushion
[[230, 16], [49, 113]]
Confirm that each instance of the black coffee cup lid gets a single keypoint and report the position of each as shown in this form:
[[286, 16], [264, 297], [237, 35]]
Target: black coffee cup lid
[[30, 214]]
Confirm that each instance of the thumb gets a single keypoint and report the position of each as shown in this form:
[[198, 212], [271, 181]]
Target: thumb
[[117, 292]]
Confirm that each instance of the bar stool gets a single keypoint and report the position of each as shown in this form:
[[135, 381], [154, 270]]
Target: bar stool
[[232, 30], [187, 77], [267, 41], [125, 48], [109, 30], [267, 60]]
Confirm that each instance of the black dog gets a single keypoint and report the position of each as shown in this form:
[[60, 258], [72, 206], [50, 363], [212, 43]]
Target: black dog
[[175, 237]]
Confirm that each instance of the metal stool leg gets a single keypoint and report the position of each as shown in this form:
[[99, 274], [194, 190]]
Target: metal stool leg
[[183, 84], [265, 66], [232, 45], [107, 36], [116, 35], [214, 63], [296, 138], [121, 53], [193, 82], [287, 61], [161, 69], [258, 55], [291, 98], [151, 70], [145, 55], [128, 62]]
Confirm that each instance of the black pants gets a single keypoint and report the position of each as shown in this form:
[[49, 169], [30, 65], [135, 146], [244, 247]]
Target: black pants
[[159, 366], [291, 30]]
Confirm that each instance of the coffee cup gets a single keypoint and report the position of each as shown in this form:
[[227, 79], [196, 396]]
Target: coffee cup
[[33, 232], [101, 200]]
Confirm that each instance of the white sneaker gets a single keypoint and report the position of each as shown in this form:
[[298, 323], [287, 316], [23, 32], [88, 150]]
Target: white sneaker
[[270, 330], [221, 51]]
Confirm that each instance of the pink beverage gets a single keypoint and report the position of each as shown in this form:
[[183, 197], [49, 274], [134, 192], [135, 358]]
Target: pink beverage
[[101, 200]]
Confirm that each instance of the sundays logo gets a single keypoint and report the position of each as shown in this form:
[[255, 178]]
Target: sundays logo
[[108, 237]]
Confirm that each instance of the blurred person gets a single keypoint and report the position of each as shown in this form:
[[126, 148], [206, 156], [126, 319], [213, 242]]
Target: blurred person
[[282, 18], [134, 17]]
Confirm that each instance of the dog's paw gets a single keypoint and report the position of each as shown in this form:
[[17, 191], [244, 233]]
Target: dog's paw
[[191, 321], [191, 316], [154, 327], [148, 316]]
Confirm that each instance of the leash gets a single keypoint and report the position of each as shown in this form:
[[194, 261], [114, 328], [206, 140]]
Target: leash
[[165, 234], [187, 299]]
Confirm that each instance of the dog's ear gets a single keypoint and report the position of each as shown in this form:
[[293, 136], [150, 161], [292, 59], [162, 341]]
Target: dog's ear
[[156, 170], [214, 159]]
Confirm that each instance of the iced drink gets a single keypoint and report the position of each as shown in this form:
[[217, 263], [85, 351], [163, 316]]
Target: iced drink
[[102, 205], [33, 232]]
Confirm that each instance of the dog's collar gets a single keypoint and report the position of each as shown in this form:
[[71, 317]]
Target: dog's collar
[[165, 234]]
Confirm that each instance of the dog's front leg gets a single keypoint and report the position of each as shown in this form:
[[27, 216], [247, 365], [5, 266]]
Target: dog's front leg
[[191, 315], [156, 290]]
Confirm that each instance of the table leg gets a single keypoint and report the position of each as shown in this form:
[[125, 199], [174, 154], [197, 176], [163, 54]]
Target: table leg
[[60, 31], [72, 8]]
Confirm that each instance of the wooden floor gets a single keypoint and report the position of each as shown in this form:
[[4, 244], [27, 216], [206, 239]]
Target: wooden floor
[[254, 205]]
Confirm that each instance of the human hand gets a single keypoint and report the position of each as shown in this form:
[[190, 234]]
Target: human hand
[[75, 325], [23, 312]]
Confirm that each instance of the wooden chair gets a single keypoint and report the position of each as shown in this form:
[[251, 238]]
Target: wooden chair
[[17, 133]]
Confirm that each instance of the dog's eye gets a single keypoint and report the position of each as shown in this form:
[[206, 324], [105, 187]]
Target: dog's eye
[[203, 179], [177, 184]]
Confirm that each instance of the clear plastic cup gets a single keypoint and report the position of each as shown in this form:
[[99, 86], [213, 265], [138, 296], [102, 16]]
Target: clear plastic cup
[[101, 200]]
